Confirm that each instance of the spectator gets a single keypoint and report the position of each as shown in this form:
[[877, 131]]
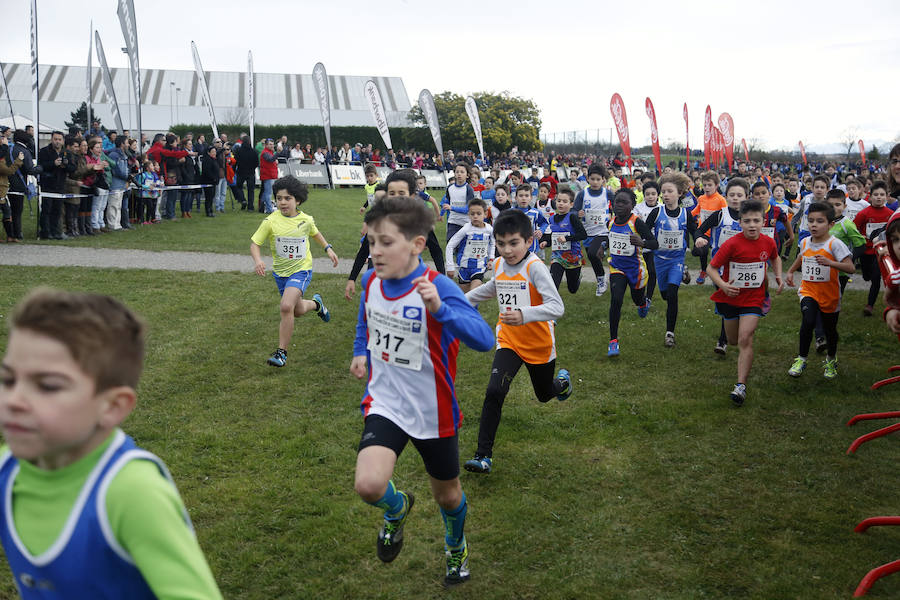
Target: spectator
[[222, 185], [189, 175], [209, 175], [345, 155], [29, 129], [171, 172], [200, 145], [296, 152], [320, 155], [308, 153], [53, 181], [99, 183], [268, 173], [245, 172], [8, 169], [18, 182], [109, 142], [116, 206]]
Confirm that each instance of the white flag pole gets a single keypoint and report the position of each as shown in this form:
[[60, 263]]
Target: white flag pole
[[205, 89], [250, 95]]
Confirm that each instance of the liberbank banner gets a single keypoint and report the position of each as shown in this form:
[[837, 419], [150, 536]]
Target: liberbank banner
[[307, 173]]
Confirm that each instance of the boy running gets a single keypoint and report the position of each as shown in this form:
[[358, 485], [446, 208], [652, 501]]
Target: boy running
[[870, 221], [287, 230], [529, 305], [740, 294], [407, 337], [471, 248]]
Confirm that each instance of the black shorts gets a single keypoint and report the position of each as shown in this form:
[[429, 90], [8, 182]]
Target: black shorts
[[440, 455], [730, 312]]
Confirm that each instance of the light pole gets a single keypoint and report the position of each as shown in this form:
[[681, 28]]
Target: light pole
[[177, 101], [171, 103]]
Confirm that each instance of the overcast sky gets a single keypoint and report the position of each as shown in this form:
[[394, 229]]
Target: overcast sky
[[784, 70]]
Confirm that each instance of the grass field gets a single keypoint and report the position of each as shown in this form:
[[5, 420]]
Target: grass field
[[645, 484]]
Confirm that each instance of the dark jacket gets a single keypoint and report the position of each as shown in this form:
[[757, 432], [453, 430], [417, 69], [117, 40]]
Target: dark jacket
[[247, 160], [189, 171], [209, 170], [17, 182], [53, 178]]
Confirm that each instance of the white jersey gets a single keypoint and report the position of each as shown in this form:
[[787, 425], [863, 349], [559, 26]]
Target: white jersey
[[596, 212], [405, 385], [458, 196], [471, 247], [853, 207]]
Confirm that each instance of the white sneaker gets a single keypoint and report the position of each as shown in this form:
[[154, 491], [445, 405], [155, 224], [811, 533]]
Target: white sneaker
[[601, 286]]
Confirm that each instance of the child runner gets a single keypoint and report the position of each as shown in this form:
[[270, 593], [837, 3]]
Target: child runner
[[870, 222], [362, 255], [723, 225], [740, 294], [500, 202], [642, 210], [855, 203], [529, 305], [538, 221], [407, 337], [708, 204], [371, 183], [542, 201], [845, 230], [87, 514], [471, 248], [287, 231], [627, 268], [434, 247], [820, 259], [455, 202], [671, 225], [592, 207], [563, 235], [820, 186]]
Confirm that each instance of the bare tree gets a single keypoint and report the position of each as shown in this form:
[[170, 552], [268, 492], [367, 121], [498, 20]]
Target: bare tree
[[237, 116], [849, 138]]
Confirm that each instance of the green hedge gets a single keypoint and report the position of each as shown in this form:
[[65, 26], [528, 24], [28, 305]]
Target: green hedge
[[403, 138]]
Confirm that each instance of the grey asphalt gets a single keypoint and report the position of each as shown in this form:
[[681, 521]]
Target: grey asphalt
[[46, 255]]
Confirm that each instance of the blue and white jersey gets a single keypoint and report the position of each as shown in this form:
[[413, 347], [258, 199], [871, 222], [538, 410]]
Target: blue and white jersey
[[726, 229], [596, 211], [671, 233], [411, 352], [458, 197], [86, 560], [471, 247], [538, 223]]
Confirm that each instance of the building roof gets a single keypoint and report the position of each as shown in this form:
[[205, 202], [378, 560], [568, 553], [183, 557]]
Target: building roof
[[281, 98]]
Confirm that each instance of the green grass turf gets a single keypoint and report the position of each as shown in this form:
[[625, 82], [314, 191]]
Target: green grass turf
[[336, 213], [645, 484]]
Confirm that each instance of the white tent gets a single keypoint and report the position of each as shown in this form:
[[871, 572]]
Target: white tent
[[22, 121]]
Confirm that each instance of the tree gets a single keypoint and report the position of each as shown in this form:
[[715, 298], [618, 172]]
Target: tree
[[506, 121], [79, 118], [849, 138], [874, 154]]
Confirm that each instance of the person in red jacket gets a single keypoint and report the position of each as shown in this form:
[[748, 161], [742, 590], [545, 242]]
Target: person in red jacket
[[159, 153], [268, 173], [550, 179], [871, 222]]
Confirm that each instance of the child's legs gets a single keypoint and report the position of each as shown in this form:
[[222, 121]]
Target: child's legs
[[543, 380], [437, 255], [829, 324], [617, 284], [595, 254], [506, 364], [875, 281], [293, 305], [670, 295], [465, 286], [704, 258], [651, 274], [730, 327], [746, 330], [452, 228], [573, 279], [556, 273], [374, 468], [638, 294], [809, 314]]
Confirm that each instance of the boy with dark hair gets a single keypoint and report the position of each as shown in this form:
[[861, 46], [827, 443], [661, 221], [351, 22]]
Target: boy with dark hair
[[740, 292], [563, 235], [529, 305], [69, 377], [820, 259], [372, 182], [708, 204], [455, 203], [871, 222], [469, 251], [592, 207], [287, 231], [407, 337]]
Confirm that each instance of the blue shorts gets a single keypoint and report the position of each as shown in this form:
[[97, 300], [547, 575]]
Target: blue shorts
[[668, 272], [299, 280], [464, 275]]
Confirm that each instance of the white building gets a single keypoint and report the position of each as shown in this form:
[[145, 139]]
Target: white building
[[173, 96]]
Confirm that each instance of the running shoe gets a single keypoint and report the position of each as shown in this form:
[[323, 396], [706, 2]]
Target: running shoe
[[738, 394], [479, 464], [720, 348], [643, 310], [321, 310], [831, 368], [797, 367], [601, 286], [390, 538], [670, 340], [821, 345], [613, 348], [278, 358], [457, 566], [701, 278], [867, 311], [563, 376]]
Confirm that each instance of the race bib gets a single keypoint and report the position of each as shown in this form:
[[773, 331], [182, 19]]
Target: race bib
[[620, 244], [511, 294], [813, 271], [704, 215], [747, 275], [595, 217], [397, 340], [670, 240], [457, 202], [559, 242], [726, 234], [872, 228], [475, 249], [769, 231], [290, 247]]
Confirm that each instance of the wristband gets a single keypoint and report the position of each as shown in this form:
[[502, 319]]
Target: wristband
[[327, 247]]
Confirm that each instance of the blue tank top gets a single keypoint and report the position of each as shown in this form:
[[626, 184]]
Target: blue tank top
[[727, 228], [86, 560], [671, 247], [572, 252], [622, 254]]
